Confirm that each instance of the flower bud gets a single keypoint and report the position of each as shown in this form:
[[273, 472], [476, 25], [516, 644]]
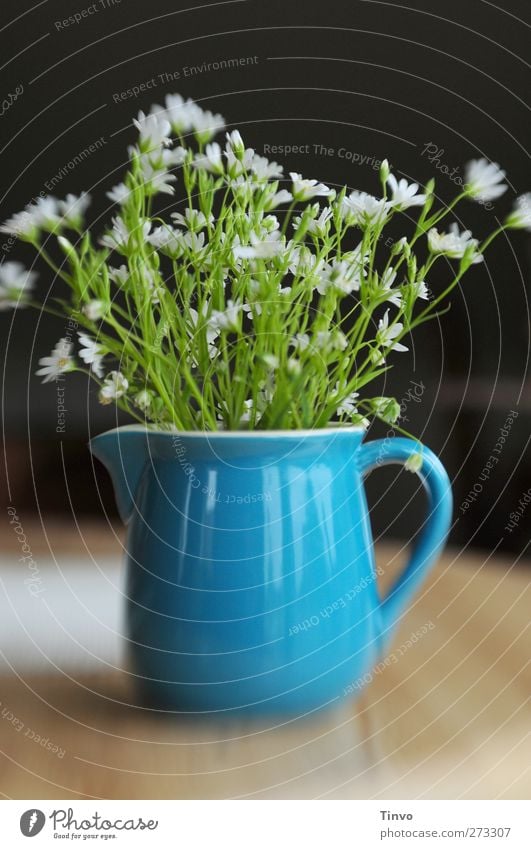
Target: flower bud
[[384, 170], [401, 246], [414, 463], [387, 409], [294, 367], [271, 361], [94, 310], [67, 247], [143, 400], [235, 142]]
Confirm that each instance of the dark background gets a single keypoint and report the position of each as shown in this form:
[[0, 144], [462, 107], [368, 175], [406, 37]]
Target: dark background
[[375, 78]]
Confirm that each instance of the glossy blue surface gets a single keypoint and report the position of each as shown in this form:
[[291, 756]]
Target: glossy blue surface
[[251, 576]]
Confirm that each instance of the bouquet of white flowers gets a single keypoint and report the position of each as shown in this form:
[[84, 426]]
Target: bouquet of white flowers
[[258, 302]]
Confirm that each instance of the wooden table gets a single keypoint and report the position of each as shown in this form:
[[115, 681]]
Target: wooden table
[[448, 719]]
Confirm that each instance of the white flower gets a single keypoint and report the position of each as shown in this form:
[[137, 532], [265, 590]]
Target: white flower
[[316, 226], [365, 209], [483, 179], [269, 224], [293, 367], [242, 187], [303, 262], [300, 342], [95, 310], [266, 170], [454, 244], [118, 236], [348, 213], [194, 219], [210, 160], [21, 224], [321, 225], [91, 353], [167, 240], [119, 194], [114, 386], [159, 182], [120, 276], [255, 306], [206, 124], [212, 330], [57, 363], [328, 340], [271, 361], [143, 400], [341, 276], [154, 289], [386, 334], [404, 194], [73, 208], [387, 279], [194, 242], [158, 160], [304, 190], [344, 276], [276, 199], [263, 246], [520, 217], [347, 407], [247, 413], [239, 166], [174, 157], [420, 290], [44, 214], [263, 398], [156, 178], [226, 319], [385, 285], [357, 258], [15, 283], [180, 113], [153, 129]]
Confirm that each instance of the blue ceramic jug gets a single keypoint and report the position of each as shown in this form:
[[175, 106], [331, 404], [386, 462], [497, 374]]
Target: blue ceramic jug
[[251, 576]]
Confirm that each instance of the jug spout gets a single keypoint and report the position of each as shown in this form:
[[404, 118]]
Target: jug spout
[[124, 453]]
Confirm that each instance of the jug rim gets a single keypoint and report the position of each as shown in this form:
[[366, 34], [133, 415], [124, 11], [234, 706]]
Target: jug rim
[[333, 427]]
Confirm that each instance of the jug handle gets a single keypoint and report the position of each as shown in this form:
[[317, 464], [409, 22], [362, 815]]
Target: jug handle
[[435, 528]]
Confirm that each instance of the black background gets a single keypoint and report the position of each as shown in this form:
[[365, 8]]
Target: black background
[[375, 78]]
